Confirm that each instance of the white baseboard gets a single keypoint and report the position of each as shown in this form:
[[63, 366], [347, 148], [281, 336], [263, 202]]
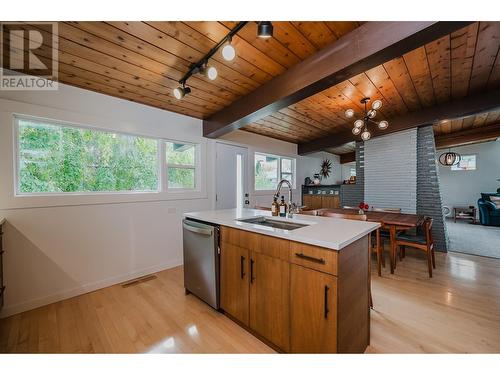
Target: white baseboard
[[90, 287]]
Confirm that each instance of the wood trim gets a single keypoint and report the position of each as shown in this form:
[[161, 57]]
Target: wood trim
[[483, 133], [485, 102], [366, 47], [347, 158]]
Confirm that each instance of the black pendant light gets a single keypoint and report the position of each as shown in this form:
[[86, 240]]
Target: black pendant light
[[264, 29], [449, 158]]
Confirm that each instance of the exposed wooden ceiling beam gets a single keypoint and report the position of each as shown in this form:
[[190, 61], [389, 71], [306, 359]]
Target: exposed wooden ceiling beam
[[347, 158], [463, 137], [370, 45], [484, 102]]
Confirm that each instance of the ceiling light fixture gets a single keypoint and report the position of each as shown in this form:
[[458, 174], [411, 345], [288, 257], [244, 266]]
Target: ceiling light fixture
[[356, 131], [210, 72], [377, 104], [449, 158], [264, 29], [228, 51], [181, 91], [368, 116], [349, 113]]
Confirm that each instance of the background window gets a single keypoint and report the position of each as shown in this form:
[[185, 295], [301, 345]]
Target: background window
[[62, 159], [270, 169], [181, 165], [467, 163]]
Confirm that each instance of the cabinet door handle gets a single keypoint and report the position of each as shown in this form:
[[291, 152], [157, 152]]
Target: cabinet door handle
[[242, 266], [251, 270], [312, 259], [326, 311]]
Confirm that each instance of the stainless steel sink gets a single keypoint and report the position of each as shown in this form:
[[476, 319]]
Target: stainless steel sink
[[267, 222]]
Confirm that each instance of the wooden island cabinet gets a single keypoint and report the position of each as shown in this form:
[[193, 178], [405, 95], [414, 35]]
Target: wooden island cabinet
[[296, 297]]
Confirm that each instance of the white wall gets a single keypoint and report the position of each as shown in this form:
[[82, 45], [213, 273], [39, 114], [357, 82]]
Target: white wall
[[391, 171], [58, 247], [61, 246], [464, 188]]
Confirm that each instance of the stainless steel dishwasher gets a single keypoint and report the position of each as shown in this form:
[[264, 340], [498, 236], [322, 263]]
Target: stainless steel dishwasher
[[201, 260]]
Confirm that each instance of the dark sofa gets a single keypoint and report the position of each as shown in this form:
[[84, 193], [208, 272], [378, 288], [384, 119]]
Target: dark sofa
[[488, 212]]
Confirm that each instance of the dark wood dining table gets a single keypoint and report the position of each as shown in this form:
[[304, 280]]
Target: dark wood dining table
[[388, 220]]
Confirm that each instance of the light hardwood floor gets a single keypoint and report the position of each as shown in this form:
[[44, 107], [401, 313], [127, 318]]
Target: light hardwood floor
[[456, 311]]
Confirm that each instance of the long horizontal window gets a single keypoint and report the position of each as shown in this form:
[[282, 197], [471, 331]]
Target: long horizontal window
[[270, 169], [55, 158]]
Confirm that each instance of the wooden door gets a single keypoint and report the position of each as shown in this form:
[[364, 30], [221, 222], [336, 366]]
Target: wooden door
[[269, 299], [313, 311], [234, 288], [330, 202]]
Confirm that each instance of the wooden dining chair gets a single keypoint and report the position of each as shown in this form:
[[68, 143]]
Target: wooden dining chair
[[354, 217], [422, 240], [381, 235], [309, 212], [264, 208], [391, 210], [343, 216]]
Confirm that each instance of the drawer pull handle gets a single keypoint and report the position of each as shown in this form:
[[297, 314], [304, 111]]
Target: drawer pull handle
[[242, 267], [312, 259], [326, 302], [251, 271]]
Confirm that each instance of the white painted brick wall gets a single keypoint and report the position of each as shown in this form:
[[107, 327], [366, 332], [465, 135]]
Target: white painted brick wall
[[390, 167]]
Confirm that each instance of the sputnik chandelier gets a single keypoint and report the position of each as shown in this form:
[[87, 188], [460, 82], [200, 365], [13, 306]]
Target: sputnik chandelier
[[361, 125], [228, 52]]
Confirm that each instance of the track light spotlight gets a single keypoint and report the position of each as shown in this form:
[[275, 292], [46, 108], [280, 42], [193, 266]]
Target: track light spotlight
[[264, 29], [228, 51], [181, 91], [209, 71]]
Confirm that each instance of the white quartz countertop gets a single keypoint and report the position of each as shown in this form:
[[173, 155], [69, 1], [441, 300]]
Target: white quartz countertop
[[321, 231]]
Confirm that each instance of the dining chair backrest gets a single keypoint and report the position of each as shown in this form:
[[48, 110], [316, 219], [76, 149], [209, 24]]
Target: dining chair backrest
[[428, 229], [264, 208], [343, 216], [390, 210], [309, 212]]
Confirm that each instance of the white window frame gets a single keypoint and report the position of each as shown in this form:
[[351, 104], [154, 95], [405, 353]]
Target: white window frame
[[161, 164], [279, 157], [195, 167]]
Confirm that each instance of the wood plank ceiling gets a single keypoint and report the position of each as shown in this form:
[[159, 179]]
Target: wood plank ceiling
[[460, 64], [142, 62]]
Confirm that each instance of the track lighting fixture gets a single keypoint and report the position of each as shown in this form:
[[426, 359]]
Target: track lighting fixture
[[228, 51], [181, 91], [264, 29]]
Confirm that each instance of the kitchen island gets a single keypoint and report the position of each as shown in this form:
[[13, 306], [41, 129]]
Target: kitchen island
[[304, 290]]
